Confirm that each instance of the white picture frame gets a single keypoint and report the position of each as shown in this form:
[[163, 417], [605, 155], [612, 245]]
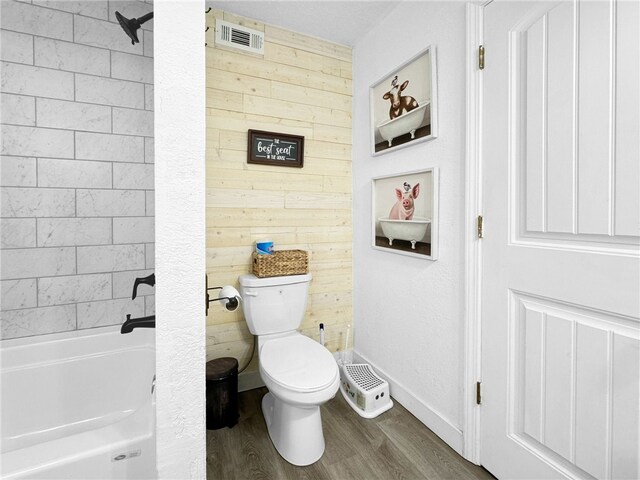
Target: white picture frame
[[416, 236], [403, 104]]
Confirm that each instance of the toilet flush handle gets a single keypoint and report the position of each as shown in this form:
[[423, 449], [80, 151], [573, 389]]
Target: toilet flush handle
[[249, 293]]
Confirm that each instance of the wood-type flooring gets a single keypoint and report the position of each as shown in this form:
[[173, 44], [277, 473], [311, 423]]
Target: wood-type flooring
[[395, 445]]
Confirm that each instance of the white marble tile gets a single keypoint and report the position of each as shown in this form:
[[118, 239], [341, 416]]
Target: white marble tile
[[133, 122], [149, 151], [108, 312], [103, 34], [151, 203], [133, 176], [36, 142], [73, 289], [111, 203], [16, 47], [113, 148], [17, 109], [17, 171], [18, 294], [62, 232], [25, 18], [88, 8], [18, 232], [37, 321], [131, 9], [37, 202], [150, 255], [108, 91], [73, 115], [132, 67], [123, 283], [110, 258], [149, 305], [148, 97], [36, 81], [133, 230], [37, 262], [148, 43], [71, 56], [73, 173]]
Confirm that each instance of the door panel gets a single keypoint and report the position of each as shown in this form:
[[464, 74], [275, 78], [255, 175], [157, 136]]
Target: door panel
[[572, 118], [561, 253]]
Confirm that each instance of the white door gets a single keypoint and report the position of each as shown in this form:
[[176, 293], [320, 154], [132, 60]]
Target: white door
[[560, 261]]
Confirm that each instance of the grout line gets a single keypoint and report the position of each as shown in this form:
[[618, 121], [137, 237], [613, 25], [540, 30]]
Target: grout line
[[88, 74], [58, 129], [33, 50], [77, 188]]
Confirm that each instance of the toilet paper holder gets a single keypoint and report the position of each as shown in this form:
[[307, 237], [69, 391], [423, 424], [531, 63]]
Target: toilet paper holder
[[229, 296]]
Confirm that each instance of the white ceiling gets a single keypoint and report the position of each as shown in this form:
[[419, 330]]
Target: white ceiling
[[341, 22]]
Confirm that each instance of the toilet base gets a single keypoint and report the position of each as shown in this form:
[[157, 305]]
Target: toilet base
[[295, 431]]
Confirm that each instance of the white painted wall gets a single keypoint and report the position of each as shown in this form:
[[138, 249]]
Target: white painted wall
[[409, 312], [180, 238]]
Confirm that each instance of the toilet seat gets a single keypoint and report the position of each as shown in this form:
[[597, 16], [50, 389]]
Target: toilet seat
[[298, 363]]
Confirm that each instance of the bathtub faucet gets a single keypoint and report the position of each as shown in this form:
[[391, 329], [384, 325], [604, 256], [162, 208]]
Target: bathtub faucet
[[149, 280], [142, 322]]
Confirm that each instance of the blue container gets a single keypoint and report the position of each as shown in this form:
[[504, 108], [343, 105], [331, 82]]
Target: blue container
[[264, 247]]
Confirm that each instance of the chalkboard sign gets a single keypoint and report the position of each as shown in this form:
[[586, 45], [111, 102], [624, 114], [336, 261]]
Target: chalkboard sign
[[269, 148]]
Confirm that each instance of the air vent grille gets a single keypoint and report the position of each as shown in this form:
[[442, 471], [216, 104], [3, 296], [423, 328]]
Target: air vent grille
[[237, 36]]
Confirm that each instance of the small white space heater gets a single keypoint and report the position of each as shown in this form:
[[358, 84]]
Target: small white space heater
[[364, 390]]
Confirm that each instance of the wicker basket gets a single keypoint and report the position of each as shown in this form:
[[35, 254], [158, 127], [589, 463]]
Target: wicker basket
[[282, 262]]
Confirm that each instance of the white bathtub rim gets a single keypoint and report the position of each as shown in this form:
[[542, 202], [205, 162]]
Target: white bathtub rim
[[421, 106], [417, 220], [15, 353], [53, 337]]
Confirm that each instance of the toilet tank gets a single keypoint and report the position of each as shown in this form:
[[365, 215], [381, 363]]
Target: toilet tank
[[274, 304]]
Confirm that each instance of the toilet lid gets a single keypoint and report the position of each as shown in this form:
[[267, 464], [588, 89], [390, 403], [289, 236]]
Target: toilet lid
[[298, 363]]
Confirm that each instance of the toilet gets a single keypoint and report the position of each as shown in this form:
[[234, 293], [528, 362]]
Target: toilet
[[300, 373]]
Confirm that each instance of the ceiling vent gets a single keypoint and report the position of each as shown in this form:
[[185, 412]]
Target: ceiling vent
[[237, 36]]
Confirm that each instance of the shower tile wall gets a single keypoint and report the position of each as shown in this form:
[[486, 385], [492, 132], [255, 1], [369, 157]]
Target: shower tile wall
[[76, 169]]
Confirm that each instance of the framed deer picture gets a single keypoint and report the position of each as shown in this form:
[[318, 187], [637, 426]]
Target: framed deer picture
[[405, 213], [403, 105]]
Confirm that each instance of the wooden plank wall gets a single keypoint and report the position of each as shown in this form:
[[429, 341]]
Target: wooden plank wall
[[301, 86]]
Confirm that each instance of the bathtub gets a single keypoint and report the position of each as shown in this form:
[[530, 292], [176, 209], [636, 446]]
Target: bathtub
[[78, 405], [411, 230], [406, 123]]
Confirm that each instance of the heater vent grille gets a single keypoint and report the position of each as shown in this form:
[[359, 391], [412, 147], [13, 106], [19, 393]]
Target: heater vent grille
[[237, 36]]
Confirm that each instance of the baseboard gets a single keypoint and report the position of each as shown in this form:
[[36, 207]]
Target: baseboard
[[432, 419], [249, 381]]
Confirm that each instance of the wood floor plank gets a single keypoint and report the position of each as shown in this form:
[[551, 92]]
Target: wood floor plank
[[392, 446]]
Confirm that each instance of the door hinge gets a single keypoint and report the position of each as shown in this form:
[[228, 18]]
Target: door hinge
[[478, 393], [481, 57], [480, 226]]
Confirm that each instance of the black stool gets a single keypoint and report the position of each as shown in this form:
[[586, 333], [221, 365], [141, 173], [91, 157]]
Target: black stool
[[222, 393]]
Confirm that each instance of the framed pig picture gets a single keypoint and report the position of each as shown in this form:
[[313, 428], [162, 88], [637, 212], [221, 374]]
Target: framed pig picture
[[405, 213], [403, 104]]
